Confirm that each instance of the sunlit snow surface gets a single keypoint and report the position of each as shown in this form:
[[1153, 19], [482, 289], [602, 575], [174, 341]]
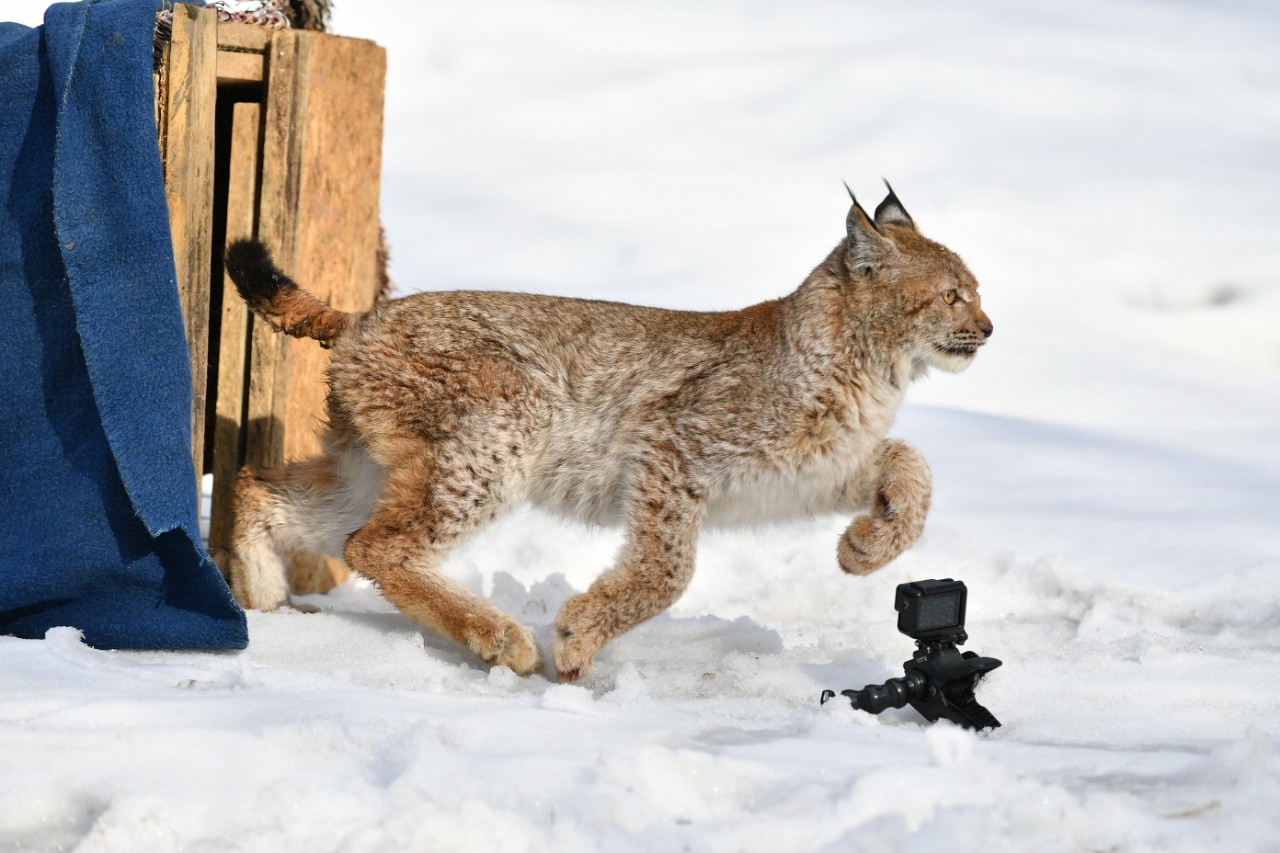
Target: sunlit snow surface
[[1107, 474]]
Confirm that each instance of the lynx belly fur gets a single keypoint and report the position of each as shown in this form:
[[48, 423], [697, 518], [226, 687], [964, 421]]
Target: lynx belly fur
[[447, 409]]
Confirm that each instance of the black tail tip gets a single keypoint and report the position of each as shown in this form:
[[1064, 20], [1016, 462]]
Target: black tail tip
[[249, 264], [247, 256]]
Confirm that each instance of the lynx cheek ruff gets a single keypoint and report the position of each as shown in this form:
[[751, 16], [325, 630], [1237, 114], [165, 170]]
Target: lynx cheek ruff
[[940, 680]]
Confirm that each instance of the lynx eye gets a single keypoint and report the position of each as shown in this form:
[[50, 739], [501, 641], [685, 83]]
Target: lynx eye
[[949, 297]]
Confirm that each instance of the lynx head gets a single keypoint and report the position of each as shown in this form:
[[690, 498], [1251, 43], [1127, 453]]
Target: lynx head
[[918, 295]]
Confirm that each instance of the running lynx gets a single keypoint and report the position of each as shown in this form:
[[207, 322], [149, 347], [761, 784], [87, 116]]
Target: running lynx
[[448, 409]]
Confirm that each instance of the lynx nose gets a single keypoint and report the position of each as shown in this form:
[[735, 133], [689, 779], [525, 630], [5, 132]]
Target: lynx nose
[[984, 325]]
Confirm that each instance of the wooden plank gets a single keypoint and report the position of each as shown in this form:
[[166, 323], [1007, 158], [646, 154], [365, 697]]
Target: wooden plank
[[187, 144], [338, 237], [321, 163], [277, 216], [278, 223], [235, 35], [240, 68], [340, 163], [242, 189]]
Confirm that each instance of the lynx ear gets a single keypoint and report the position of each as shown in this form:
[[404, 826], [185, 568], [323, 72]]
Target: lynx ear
[[891, 212], [866, 245]]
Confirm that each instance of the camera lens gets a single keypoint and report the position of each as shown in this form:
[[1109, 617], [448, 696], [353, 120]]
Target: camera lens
[[938, 611]]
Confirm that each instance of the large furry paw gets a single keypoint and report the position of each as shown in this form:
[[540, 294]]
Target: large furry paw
[[574, 657], [866, 545], [510, 645], [578, 638]]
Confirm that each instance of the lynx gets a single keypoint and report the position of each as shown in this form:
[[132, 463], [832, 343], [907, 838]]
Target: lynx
[[448, 409]]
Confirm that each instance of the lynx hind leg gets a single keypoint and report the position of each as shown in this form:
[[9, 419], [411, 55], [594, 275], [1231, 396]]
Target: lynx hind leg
[[654, 569], [435, 496], [301, 507], [898, 488]]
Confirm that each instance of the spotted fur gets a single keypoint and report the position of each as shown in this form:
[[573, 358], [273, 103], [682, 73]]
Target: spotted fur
[[448, 409]]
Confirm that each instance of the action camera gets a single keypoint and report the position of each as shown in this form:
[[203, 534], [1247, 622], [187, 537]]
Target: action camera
[[939, 680]]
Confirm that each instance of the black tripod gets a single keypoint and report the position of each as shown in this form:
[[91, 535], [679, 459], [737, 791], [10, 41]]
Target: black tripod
[[939, 684]]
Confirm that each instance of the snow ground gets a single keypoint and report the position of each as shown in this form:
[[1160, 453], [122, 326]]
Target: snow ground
[[1107, 474]]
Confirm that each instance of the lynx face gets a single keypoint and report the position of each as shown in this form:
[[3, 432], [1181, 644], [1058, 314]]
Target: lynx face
[[950, 325], [940, 321]]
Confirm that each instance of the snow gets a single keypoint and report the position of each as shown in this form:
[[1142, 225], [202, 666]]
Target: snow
[[1107, 474]]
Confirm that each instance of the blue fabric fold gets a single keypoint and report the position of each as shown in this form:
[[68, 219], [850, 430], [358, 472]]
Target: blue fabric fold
[[98, 525]]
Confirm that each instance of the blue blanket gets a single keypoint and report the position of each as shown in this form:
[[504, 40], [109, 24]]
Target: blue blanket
[[98, 526]]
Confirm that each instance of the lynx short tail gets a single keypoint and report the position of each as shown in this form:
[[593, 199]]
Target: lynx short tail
[[278, 299]]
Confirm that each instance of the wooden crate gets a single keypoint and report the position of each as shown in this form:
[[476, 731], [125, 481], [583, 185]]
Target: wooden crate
[[278, 135]]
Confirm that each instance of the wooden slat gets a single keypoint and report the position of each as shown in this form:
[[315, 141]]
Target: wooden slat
[[337, 251], [188, 148], [240, 68], [339, 151], [319, 213], [242, 187], [243, 36], [277, 222]]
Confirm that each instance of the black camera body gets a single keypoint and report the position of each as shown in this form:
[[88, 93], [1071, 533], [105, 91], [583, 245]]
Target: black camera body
[[940, 680], [930, 610]]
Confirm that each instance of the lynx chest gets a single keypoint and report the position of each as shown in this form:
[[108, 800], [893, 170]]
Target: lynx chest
[[809, 464]]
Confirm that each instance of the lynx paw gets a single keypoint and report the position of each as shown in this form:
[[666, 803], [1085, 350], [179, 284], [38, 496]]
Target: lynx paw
[[509, 645], [573, 659], [577, 640], [865, 546]]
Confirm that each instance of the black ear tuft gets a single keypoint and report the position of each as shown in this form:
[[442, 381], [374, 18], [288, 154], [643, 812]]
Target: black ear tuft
[[858, 221], [891, 212], [866, 244]]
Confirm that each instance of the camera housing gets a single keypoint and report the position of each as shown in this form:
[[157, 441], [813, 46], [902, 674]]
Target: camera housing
[[932, 609]]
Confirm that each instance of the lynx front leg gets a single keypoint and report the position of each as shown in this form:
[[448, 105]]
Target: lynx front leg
[[655, 567], [897, 485]]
